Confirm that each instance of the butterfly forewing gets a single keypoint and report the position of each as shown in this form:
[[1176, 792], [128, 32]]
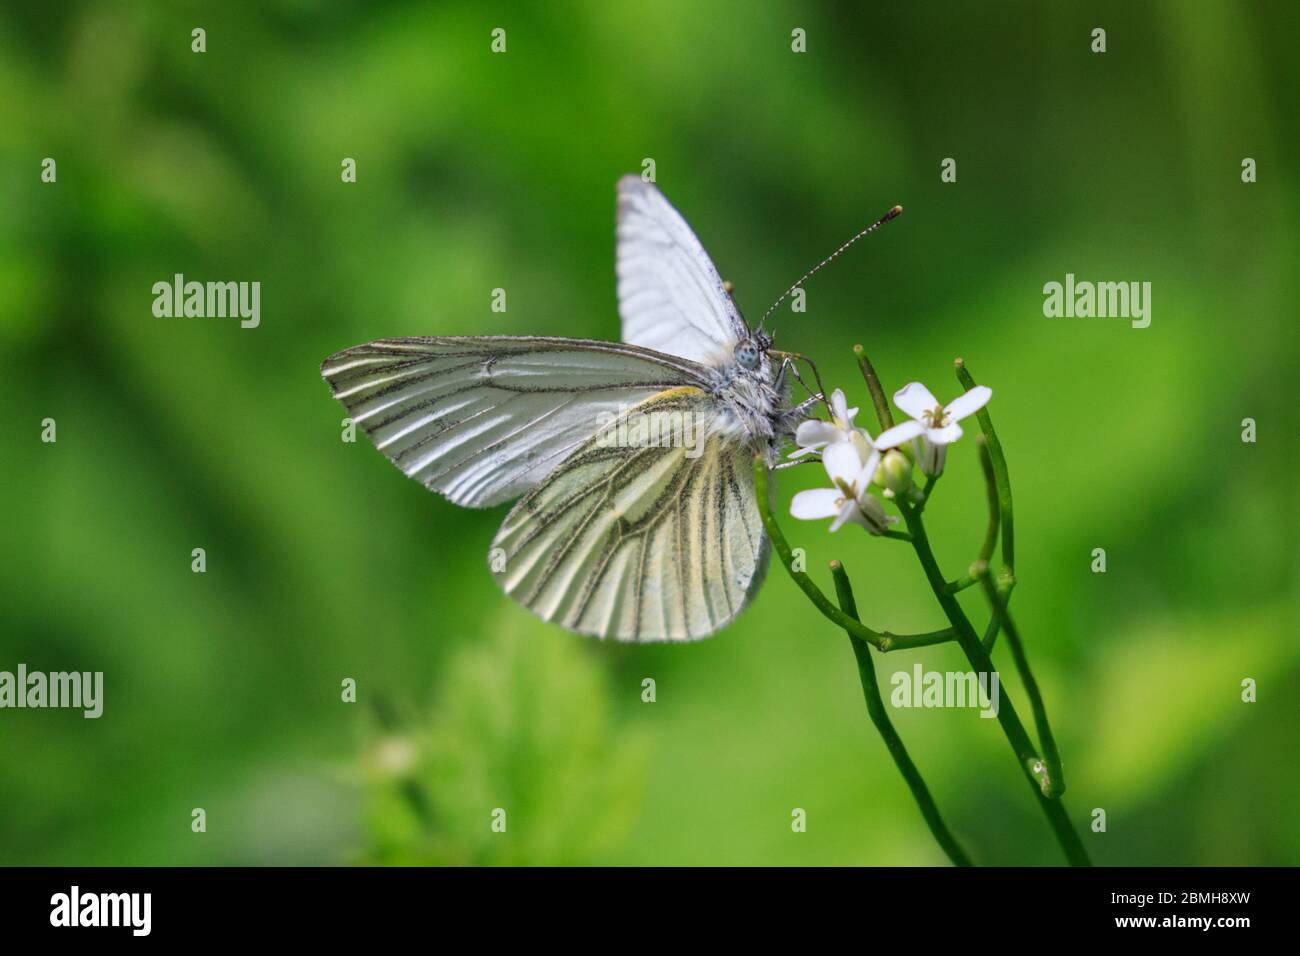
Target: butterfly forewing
[[483, 420], [670, 295]]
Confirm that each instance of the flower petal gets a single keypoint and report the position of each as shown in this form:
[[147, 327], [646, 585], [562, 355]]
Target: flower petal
[[816, 504], [862, 442], [839, 405], [849, 512], [842, 462], [899, 434], [968, 404], [915, 399], [930, 457], [943, 436], [813, 432], [868, 473]]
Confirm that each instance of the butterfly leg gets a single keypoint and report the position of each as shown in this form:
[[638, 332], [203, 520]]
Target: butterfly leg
[[787, 365], [802, 408], [788, 360], [791, 417], [779, 384], [812, 459]]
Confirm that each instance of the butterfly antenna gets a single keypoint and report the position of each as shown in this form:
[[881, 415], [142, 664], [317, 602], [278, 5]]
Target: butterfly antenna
[[834, 255]]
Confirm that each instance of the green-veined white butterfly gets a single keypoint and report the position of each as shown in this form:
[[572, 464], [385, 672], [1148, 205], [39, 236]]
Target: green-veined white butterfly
[[616, 536]]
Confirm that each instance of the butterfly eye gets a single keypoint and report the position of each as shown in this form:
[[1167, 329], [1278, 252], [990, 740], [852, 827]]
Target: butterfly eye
[[747, 354]]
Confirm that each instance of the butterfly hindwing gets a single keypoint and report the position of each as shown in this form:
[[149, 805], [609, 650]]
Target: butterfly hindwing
[[651, 543]]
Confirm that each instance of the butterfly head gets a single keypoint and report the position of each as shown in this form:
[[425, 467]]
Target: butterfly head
[[751, 351]]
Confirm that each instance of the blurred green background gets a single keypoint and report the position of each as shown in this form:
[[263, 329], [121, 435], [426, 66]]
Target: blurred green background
[[478, 171]]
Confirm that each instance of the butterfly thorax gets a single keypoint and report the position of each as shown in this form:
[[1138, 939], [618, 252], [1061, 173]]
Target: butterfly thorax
[[751, 408]]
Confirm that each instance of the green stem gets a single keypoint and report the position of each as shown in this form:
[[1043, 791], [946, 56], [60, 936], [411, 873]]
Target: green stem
[[961, 584], [990, 539], [994, 626], [883, 640], [903, 642], [991, 634], [894, 743], [1026, 756], [1054, 785], [1002, 482], [991, 484], [883, 414], [1000, 472], [997, 596], [929, 488]]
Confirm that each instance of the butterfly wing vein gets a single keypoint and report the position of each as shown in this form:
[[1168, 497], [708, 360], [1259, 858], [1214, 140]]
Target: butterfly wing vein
[[644, 544]]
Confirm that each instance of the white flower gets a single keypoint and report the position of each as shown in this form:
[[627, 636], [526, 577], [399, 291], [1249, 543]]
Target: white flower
[[814, 434], [933, 426], [851, 498]]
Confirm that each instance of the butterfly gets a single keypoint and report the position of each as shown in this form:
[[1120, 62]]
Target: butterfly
[[631, 462]]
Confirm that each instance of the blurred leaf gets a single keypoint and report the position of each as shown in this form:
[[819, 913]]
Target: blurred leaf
[[521, 723]]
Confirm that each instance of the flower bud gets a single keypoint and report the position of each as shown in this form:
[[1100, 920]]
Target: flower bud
[[874, 518], [898, 471], [894, 473]]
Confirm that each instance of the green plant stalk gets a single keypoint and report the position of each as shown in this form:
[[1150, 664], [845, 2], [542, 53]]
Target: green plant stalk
[[883, 414], [880, 717], [1054, 786], [1000, 472], [927, 491], [882, 640], [991, 630], [991, 485], [1002, 482], [1002, 616], [1030, 763]]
